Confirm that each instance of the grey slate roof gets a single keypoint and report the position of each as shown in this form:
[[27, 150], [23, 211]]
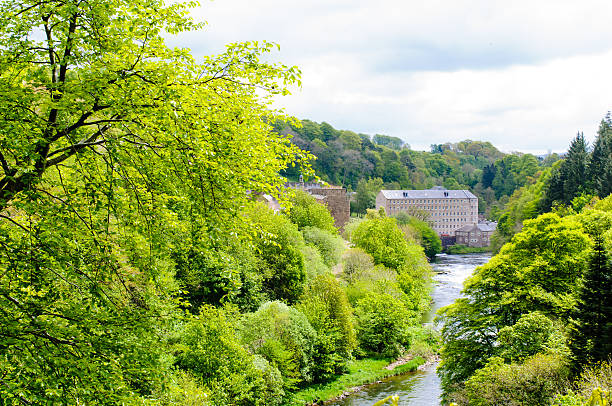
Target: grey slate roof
[[435, 193], [478, 227]]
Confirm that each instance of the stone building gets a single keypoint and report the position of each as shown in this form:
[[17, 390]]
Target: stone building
[[334, 197], [476, 235], [445, 210]]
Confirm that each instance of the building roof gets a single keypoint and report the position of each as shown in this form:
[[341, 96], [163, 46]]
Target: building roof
[[435, 193], [478, 227]]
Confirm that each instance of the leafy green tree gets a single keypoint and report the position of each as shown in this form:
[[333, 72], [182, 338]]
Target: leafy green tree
[[209, 349], [278, 243], [382, 239], [536, 271], [307, 212], [326, 306], [422, 232], [382, 323]]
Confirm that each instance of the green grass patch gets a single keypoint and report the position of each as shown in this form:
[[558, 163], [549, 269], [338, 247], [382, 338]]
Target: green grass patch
[[464, 249], [360, 372]]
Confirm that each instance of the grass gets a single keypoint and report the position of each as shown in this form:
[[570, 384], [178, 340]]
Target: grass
[[360, 372]]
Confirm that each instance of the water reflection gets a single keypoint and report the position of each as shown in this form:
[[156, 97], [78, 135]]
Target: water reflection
[[422, 388]]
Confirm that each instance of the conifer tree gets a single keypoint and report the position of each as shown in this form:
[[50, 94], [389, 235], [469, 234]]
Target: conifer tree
[[600, 166], [591, 331]]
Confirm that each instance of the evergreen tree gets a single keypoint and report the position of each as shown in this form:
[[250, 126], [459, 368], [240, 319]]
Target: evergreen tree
[[574, 169], [591, 333], [571, 179], [600, 166]]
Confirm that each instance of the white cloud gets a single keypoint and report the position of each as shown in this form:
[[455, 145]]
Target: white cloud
[[525, 75]]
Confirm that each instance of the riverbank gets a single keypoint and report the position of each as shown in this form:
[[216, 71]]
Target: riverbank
[[360, 374], [464, 249]]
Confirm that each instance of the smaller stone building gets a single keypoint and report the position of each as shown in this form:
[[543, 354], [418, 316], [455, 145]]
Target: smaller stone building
[[476, 235]]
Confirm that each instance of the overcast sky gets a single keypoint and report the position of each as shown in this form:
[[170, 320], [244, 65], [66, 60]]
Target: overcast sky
[[525, 75]]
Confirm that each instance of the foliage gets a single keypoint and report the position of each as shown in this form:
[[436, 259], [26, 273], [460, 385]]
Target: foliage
[[329, 245], [384, 241], [116, 153], [365, 195], [526, 337], [422, 233], [327, 308], [313, 262], [284, 337], [209, 349], [536, 271], [307, 212], [382, 322], [355, 261], [592, 388], [278, 243], [534, 382]]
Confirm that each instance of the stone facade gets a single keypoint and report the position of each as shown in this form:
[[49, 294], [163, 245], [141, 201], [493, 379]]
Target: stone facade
[[477, 235], [446, 210]]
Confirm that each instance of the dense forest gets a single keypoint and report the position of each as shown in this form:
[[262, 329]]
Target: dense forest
[[365, 164]]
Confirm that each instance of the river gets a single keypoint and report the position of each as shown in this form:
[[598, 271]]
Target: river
[[422, 388]]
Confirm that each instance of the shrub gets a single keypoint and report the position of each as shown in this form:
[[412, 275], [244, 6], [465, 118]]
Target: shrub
[[534, 382], [382, 322], [354, 262], [284, 337], [329, 245], [313, 262], [526, 337]]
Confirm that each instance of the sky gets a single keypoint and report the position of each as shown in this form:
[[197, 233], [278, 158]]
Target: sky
[[524, 75]]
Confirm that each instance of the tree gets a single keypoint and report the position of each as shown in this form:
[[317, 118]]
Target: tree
[[591, 330], [115, 151], [600, 165], [307, 212]]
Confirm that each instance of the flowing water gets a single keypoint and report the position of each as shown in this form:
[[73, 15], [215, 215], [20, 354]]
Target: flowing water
[[422, 388]]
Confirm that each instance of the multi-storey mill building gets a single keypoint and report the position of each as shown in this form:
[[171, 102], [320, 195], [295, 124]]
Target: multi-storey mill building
[[447, 210]]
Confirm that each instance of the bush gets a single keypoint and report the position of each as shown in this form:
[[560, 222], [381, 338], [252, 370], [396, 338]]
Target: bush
[[329, 245], [307, 212], [354, 262], [313, 262], [534, 382], [209, 349], [382, 324], [595, 381], [284, 337]]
